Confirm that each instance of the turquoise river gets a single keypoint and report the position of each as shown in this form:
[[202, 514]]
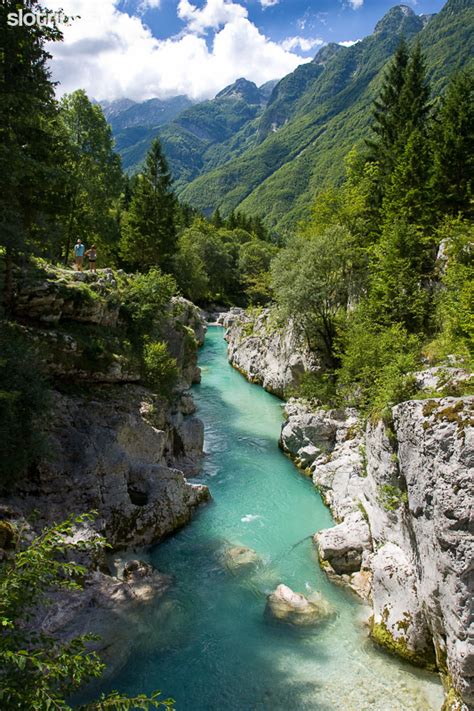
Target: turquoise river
[[208, 643]]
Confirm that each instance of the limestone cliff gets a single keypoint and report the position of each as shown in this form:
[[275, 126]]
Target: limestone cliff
[[401, 495], [110, 444], [266, 352]]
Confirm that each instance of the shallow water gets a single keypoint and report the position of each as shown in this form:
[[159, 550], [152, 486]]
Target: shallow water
[[207, 643]]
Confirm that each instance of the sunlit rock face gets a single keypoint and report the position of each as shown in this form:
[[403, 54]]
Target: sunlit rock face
[[267, 353], [402, 495]]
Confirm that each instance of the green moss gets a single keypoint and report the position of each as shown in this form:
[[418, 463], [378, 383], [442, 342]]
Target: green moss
[[363, 511], [453, 701], [429, 408], [400, 648]]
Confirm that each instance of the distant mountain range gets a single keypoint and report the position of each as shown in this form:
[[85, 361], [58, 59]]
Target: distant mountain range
[[267, 150]]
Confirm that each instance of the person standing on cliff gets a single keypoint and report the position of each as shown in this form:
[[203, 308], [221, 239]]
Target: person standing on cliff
[[91, 254], [79, 250]]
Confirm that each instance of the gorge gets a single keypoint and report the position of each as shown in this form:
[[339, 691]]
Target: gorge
[[208, 639]]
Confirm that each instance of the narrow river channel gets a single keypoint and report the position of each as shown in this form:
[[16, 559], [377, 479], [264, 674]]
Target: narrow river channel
[[208, 643]]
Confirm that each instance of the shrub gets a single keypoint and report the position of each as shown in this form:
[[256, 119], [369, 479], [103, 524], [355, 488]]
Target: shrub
[[377, 365], [38, 671], [317, 386], [146, 296], [161, 370], [392, 497]]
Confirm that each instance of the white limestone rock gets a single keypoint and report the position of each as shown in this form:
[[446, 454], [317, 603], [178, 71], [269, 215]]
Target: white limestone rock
[[265, 352], [294, 608], [344, 545], [398, 619]]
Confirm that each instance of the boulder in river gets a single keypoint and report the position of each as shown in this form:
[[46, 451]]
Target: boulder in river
[[294, 608], [239, 558]]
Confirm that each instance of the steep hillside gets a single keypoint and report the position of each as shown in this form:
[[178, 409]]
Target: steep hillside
[[124, 114], [319, 112], [196, 138]]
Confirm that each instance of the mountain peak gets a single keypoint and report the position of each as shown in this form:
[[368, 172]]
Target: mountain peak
[[241, 89], [397, 19], [327, 52]]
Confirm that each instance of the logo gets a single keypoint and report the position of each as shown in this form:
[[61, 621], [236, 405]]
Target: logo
[[27, 18]]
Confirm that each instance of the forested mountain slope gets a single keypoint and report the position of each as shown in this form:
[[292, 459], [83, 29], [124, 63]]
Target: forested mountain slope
[[318, 113], [196, 138]]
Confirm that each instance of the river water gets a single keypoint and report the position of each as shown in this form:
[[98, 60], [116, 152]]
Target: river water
[[208, 643]]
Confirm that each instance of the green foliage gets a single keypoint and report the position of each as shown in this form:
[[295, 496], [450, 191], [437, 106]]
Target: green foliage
[[454, 308], [37, 670], [94, 175], [226, 264], [392, 497], [313, 280], [145, 297], [23, 404], [149, 229], [254, 262], [352, 205], [390, 113], [320, 387], [376, 364], [453, 146], [402, 258], [161, 370], [31, 148]]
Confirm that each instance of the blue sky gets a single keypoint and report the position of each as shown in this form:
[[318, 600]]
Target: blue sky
[[332, 20], [142, 49]]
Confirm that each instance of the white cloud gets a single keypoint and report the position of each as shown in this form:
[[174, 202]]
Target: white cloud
[[268, 3], [214, 14], [305, 44], [113, 55], [349, 43], [356, 4], [148, 5]]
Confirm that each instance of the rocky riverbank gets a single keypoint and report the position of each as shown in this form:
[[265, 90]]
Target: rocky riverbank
[[400, 492], [110, 444], [266, 352]]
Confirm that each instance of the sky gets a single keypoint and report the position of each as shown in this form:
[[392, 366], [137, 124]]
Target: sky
[[142, 49]]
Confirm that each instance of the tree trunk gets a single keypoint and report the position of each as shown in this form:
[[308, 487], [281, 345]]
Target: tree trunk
[[69, 230]]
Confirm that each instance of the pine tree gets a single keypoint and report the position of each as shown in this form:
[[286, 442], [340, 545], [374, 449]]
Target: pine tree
[[407, 195], [414, 100], [401, 124], [387, 120], [149, 234], [28, 125], [216, 219], [453, 147]]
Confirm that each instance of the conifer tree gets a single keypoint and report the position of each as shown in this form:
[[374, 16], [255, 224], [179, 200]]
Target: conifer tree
[[216, 219], [453, 147], [387, 119], [149, 234], [28, 121], [401, 125]]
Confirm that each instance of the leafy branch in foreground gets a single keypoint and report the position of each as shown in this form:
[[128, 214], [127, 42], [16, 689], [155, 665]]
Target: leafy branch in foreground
[[39, 671]]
